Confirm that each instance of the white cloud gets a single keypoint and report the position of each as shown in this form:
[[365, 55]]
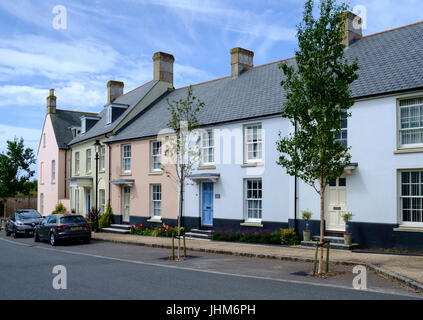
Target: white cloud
[[31, 136]]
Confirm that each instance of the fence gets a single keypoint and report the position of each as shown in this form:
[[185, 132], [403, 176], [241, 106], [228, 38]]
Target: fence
[[14, 203]]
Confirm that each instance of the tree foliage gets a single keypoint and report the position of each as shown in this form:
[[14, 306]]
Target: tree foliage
[[318, 95], [15, 168]]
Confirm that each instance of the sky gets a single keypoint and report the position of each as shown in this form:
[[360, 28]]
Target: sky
[[116, 39]]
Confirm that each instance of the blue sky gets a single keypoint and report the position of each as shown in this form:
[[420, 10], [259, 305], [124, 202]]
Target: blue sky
[[116, 40]]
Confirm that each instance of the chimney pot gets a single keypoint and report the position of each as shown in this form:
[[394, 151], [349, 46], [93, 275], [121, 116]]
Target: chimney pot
[[163, 67], [241, 59], [51, 102], [114, 90], [352, 27]]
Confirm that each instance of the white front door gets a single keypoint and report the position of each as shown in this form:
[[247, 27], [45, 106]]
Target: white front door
[[125, 203], [336, 204]]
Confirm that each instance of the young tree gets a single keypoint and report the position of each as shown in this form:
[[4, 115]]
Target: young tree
[[318, 96], [183, 148], [15, 170]]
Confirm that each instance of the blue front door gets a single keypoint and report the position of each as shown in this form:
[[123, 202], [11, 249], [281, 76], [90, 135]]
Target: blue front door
[[207, 204]]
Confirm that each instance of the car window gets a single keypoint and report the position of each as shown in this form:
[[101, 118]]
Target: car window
[[27, 215], [51, 220], [72, 219]]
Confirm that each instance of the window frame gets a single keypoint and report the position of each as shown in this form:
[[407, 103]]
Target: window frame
[[400, 145], [343, 129], [88, 160], [153, 201], [153, 156], [124, 170], [246, 200], [109, 115], [401, 197], [210, 148], [102, 158], [77, 163], [53, 171], [246, 143]]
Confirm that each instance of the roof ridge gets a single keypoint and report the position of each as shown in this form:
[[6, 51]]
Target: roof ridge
[[77, 111], [389, 30], [134, 89], [222, 78]]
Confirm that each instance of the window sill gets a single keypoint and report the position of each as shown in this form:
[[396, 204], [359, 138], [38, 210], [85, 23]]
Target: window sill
[[156, 173], [251, 224], [126, 174], [206, 167], [408, 150], [101, 171], [155, 220], [409, 229], [252, 164]]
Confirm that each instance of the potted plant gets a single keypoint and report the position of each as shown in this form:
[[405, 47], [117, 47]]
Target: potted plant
[[347, 236], [306, 215]]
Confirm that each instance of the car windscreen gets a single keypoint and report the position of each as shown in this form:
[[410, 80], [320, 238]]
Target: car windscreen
[[28, 215], [66, 220]]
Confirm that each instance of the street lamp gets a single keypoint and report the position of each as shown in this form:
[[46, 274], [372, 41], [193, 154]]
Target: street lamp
[[96, 146]]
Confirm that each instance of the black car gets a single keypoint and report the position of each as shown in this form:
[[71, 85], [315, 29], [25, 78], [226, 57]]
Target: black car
[[61, 227], [23, 222]]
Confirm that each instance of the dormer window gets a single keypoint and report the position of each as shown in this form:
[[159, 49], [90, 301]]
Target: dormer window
[[114, 111], [87, 122]]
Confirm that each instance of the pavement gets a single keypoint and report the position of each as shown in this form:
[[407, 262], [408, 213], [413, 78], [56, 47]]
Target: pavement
[[403, 268], [107, 270]]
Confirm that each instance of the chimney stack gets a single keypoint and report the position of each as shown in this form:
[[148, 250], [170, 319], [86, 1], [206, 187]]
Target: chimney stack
[[51, 102], [114, 90], [163, 67], [241, 59], [352, 28]]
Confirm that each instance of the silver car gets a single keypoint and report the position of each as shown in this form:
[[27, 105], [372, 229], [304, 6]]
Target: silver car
[[23, 222]]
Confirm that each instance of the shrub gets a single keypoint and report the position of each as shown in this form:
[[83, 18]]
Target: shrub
[[106, 218], [289, 237], [91, 217], [306, 215], [60, 209]]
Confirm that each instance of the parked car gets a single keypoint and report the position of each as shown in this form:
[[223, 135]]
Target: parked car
[[61, 227], [23, 222]]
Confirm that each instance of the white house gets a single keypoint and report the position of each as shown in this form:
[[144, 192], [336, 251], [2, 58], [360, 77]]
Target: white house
[[238, 184]]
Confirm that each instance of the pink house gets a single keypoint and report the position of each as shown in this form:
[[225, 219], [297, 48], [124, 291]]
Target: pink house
[[60, 126]]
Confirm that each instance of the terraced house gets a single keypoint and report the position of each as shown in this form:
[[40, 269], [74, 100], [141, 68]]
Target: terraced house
[[88, 145], [238, 184]]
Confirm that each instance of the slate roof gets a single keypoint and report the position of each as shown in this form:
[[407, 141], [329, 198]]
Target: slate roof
[[130, 99], [62, 120], [389, 62]]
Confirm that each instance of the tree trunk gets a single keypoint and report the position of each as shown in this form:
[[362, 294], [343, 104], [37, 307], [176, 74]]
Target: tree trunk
[[322, 223], [181, 202]]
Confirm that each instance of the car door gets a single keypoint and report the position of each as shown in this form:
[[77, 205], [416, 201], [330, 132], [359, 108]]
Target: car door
[[44, 228]]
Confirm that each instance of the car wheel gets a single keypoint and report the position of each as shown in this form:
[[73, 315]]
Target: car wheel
[[15, 234], [53, 240], [36, 237]]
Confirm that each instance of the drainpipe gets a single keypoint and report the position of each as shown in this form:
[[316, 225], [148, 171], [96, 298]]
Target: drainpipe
[[108, 145]]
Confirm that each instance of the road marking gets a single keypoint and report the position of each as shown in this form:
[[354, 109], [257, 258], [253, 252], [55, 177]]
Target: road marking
[[208, 271]]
